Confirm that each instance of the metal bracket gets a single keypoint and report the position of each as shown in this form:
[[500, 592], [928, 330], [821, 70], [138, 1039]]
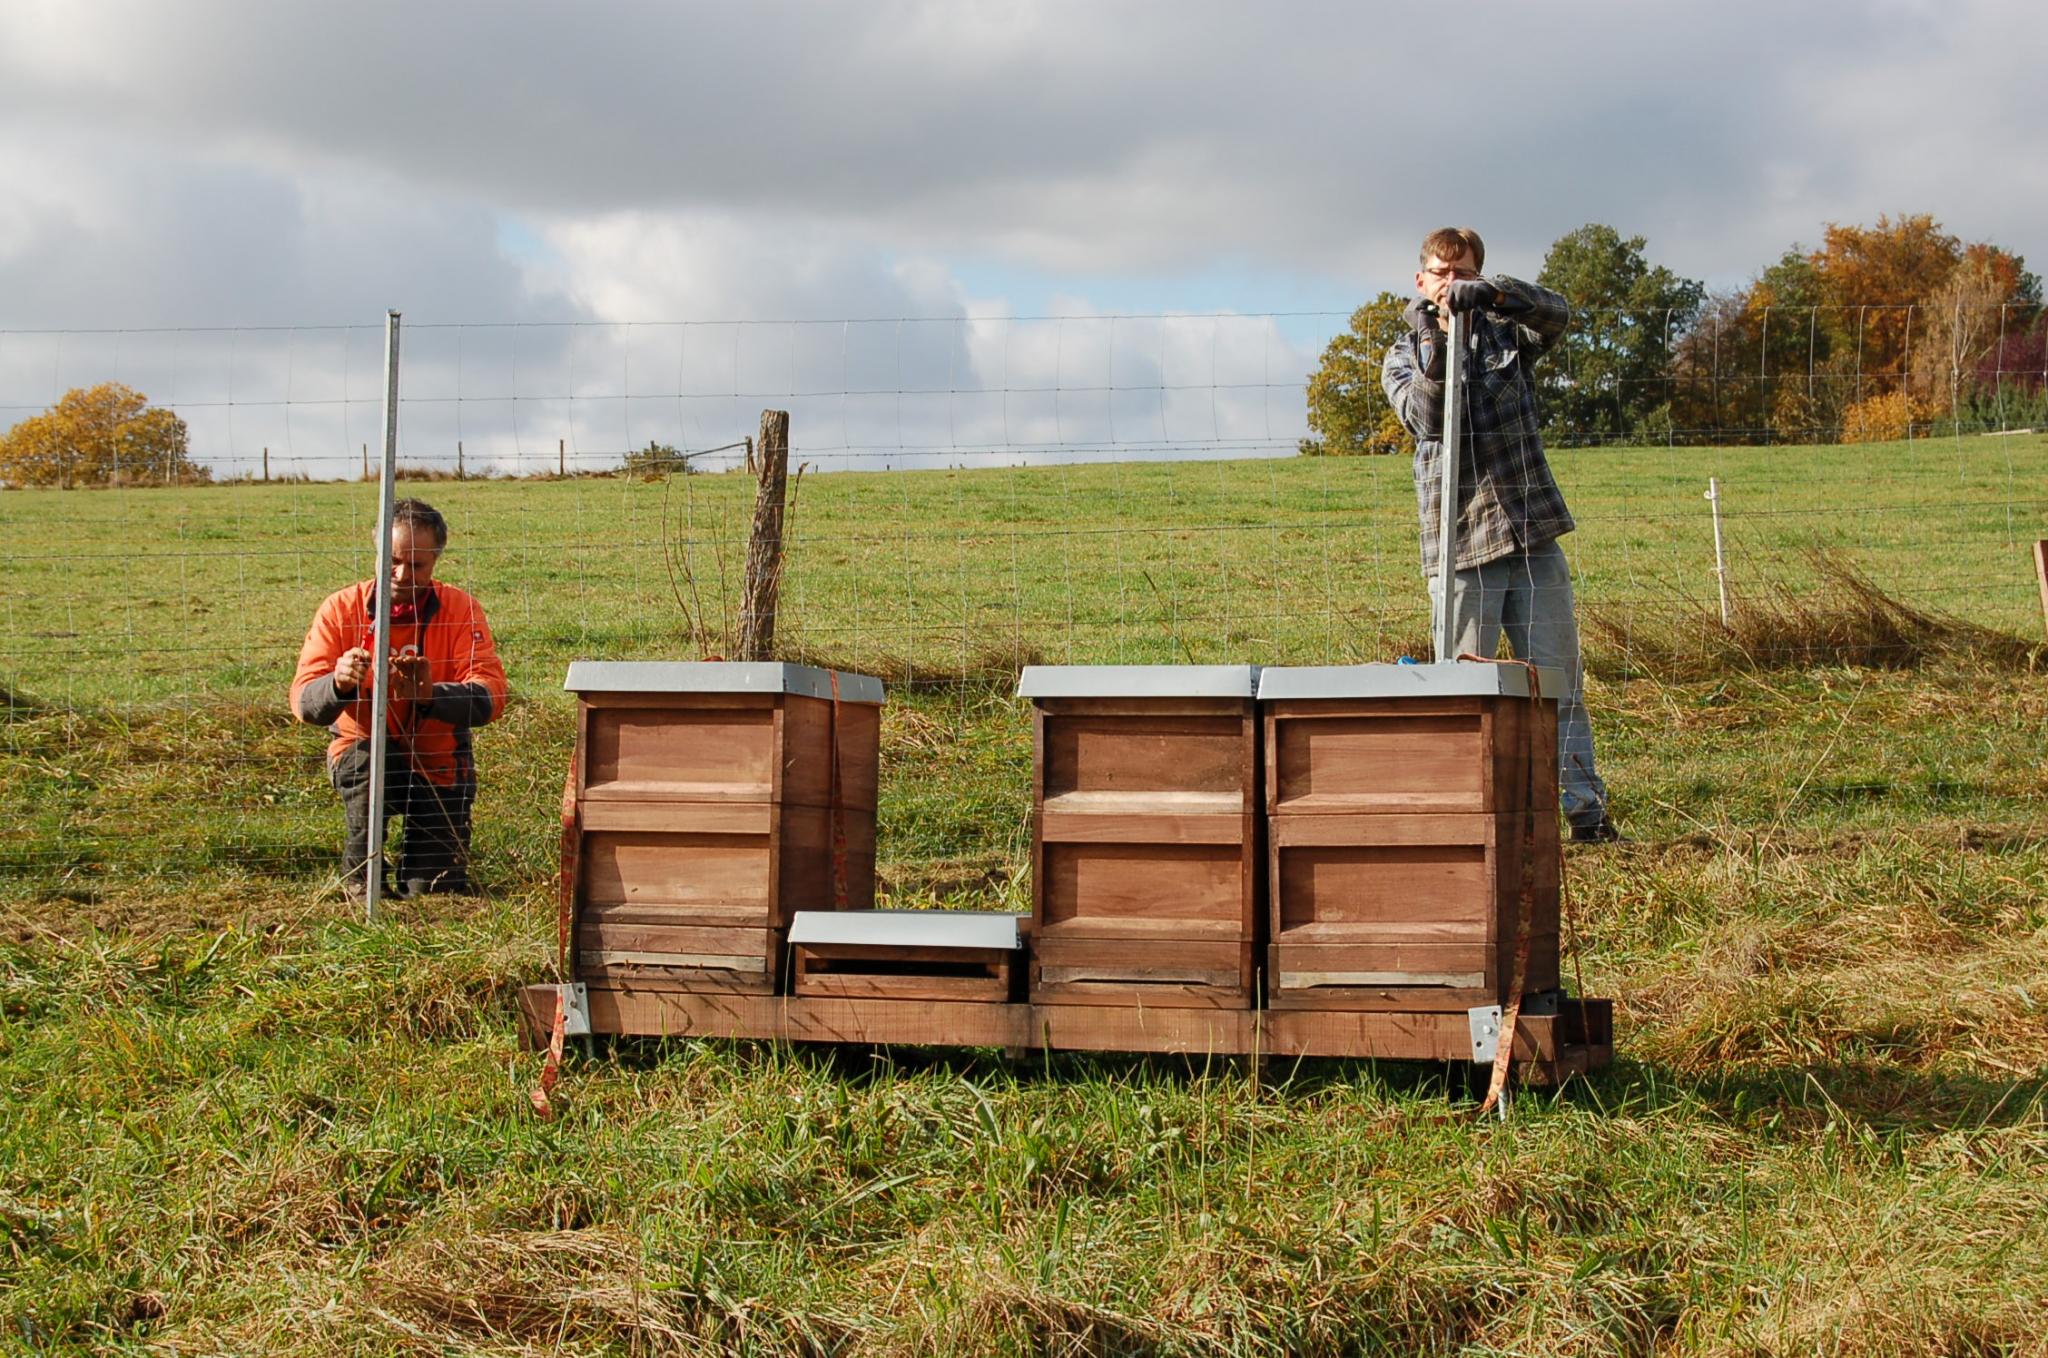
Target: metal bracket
[[1485, 1025], [575, 1009]]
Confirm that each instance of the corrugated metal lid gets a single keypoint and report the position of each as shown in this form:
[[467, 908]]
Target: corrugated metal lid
[[907, 928], [1450, 679], [1138, 681], [717, 676]]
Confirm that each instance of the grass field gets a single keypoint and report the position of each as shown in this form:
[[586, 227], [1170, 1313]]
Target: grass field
[[234, 1120]]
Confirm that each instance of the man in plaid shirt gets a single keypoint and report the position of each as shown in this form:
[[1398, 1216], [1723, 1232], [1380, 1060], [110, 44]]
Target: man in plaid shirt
[[1510, 575]]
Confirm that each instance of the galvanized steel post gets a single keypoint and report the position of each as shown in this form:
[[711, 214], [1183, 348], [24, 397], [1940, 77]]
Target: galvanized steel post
[[1447, 503], [380, 662]]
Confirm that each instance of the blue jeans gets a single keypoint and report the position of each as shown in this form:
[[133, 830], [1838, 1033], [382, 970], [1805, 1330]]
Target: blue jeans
[[1529, 596]]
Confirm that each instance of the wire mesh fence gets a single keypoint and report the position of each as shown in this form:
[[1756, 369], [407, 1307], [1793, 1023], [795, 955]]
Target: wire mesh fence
[[968, 495]]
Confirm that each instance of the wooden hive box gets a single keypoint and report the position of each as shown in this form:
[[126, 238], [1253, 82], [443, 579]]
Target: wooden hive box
[[908, 955], [707, 803], [1401, 800], [1145, 824]]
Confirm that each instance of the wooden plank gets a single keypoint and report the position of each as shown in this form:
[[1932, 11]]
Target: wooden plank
[[861, 985], [1395, 932], [1117, 930], [1141, 707], [1385, 999], [694, 794], [896, 952], [980, 974], [1297, 979], [709, 702], [673, 939], [679, 817], [1076, 1027], [1130, 881], [807, 741], [1376, 759], [1451, 883], [1059, 825], [702, 915], [1289, 960], [669, 979], [734, 962], [1128, 995], [1108, 748], [651, 748], [805, 860], [1421, 831], [675, 870], [1075, 949]]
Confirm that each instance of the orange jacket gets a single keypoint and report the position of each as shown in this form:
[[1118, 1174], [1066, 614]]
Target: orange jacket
[[469, 683]]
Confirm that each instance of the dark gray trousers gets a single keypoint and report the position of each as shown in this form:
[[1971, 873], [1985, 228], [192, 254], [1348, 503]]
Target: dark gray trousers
[[435, 847]]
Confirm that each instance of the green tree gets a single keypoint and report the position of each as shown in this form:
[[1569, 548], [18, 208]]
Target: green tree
[[658, 459], [108, 435], [1347, 411], [1610, 378]]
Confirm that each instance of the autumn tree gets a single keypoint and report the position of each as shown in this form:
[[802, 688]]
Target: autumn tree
[[1610, 376], [1759, 361], [1347, 410], [108, 435], [1879, 328]]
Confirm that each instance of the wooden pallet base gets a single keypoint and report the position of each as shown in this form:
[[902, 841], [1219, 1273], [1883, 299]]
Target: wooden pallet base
[[1548, 1047]]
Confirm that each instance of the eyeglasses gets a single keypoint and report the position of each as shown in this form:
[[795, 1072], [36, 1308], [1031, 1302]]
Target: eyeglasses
[[1452, 271]]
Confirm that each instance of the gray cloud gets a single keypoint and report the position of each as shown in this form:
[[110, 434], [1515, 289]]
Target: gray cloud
[[226, 164], [1102, 138]]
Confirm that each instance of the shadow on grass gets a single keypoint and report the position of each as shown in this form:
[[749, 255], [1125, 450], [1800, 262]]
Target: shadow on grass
[[1882, 1098]]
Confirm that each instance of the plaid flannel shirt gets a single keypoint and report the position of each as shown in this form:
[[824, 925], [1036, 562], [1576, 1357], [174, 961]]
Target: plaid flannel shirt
[[1508, 501]]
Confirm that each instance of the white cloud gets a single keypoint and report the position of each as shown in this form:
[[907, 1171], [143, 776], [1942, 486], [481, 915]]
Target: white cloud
[[224, 164]]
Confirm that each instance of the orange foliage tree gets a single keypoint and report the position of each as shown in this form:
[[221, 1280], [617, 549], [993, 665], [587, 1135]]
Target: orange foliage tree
[[108, 435]]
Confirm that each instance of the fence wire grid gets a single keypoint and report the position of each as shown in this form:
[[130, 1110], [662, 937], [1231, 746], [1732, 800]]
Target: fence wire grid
[[968, 495]]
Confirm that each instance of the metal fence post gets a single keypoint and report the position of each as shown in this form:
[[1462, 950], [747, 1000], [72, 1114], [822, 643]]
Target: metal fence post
[[380, 663], [1447, 506]]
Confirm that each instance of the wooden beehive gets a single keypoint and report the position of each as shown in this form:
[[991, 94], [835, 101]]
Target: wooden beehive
[[1402, 801], [1144, 848], [708, 802], [907, 955]]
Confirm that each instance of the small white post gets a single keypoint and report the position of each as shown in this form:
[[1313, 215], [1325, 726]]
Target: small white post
[[1720, 559], [1447, 505], [380, 663]]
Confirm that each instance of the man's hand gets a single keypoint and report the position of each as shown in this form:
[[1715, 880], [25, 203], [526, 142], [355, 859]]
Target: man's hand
[[350, 671], [412, 678], [1467, 295], [1429, 342]]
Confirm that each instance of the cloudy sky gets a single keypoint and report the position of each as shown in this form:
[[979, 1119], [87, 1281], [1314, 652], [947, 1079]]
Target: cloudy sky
[[209, 164]]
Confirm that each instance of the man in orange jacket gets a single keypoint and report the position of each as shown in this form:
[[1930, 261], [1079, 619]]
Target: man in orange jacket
[[445, 679]]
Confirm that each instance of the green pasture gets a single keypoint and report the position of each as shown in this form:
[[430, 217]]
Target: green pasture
[[233, 1119]]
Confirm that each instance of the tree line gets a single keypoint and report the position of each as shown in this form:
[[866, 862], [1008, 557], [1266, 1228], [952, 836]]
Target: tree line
[[1880, 332]]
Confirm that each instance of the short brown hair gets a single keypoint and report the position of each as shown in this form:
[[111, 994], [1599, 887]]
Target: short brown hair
[[421, 516], [1448, 242]]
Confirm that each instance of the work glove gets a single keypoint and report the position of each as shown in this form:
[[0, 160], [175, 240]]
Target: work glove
[[1429, 343], [1467, 295]]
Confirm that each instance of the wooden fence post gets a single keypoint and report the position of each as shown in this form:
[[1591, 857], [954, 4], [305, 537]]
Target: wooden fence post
[[764, 540], [366, 462], [2041, 575], [561, 457], [266, 462], [458, 460]]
